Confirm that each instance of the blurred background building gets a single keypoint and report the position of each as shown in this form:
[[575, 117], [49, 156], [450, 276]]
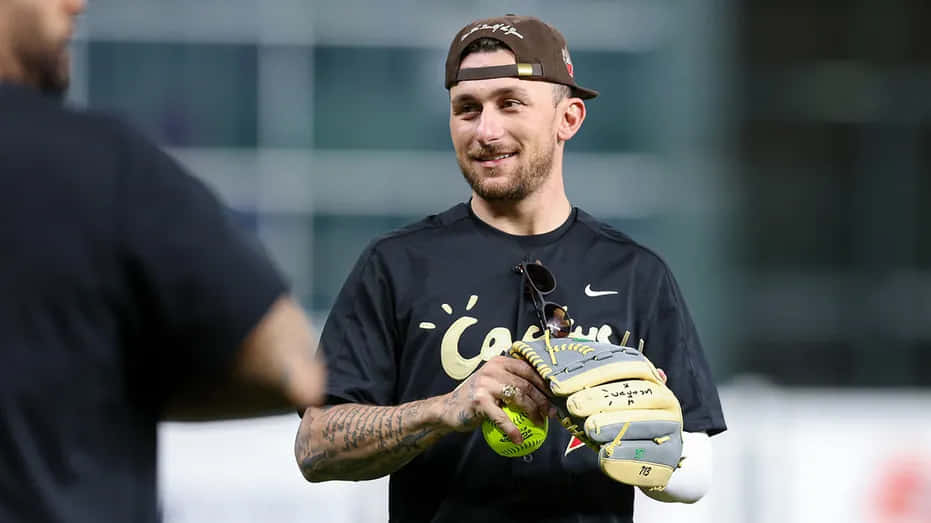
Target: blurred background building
[[777, 154], [833, 133]]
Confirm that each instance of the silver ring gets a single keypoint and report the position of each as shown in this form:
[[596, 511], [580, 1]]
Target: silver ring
[[508, 392]]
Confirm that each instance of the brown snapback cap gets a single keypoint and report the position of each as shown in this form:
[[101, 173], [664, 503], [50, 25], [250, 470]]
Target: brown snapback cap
[[540, 51]]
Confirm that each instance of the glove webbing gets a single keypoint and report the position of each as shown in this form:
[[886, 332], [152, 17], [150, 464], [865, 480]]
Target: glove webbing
[[539, 364]]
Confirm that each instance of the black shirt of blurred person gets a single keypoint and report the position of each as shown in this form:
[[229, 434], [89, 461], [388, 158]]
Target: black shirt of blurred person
[[122, 280]]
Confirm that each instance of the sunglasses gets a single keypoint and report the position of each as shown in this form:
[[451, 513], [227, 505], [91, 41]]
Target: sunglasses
[[539, 282]]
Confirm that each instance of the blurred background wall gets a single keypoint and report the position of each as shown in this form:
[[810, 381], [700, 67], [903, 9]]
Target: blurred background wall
[[777, 154]]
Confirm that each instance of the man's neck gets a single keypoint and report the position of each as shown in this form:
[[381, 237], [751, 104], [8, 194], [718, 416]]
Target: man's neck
[[539, 213]]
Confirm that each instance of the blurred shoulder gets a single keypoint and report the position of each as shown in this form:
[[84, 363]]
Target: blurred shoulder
[[31, 117]]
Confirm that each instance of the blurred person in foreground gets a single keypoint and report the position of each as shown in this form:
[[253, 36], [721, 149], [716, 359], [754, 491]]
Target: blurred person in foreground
[[128, 297], [424, 306]]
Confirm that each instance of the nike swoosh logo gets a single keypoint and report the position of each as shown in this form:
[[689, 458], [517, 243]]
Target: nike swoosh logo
[[593, 294]]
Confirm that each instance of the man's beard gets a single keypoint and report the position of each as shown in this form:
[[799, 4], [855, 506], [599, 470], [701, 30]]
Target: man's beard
[[525, 179], [51, 73], [45, 64]]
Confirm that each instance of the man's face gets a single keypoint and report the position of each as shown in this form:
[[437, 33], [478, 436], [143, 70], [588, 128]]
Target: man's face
[[503, 130], [36, 40]]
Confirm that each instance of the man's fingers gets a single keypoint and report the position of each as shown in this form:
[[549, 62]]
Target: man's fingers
[[503, 422], [528, 399], [500, 365], [524, 370], [529, 389]]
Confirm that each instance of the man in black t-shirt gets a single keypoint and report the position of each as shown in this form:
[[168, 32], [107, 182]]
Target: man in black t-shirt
[[128, 297], [414, 342]]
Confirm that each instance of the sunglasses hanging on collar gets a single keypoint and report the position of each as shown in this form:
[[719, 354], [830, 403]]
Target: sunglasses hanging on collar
[[538, 282]]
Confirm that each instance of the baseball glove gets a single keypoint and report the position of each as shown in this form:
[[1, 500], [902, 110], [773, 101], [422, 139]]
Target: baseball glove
[[617, 397]]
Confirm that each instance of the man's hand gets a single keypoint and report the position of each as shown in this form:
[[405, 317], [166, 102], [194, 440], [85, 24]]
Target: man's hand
[[500, 381], [360, 442], [274, 371]]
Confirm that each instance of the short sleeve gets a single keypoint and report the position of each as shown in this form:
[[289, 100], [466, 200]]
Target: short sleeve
[[672, 344], [359, 338], [200, 282]]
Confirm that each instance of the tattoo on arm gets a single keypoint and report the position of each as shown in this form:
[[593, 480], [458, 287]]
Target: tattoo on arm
[[354, 442], [465, 416]]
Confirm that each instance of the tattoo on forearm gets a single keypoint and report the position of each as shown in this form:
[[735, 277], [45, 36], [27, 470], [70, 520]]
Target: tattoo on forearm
[[362, 442], [465, 416]]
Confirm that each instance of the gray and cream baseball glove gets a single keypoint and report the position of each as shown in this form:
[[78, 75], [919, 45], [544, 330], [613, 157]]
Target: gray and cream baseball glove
[[613, 399]]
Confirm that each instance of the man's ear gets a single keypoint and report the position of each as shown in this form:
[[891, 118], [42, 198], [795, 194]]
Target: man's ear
[[571, 115]]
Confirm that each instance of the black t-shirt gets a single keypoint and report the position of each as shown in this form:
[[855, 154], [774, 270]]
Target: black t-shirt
[[423, 308], [122, 279]]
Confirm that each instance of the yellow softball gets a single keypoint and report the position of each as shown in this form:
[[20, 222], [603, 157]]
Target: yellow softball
[[534, 435]]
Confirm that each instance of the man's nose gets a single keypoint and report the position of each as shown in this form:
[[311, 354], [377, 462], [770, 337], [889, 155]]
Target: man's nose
[[490, 126]]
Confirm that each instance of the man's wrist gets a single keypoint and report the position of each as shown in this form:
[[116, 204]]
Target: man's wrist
[[435, 414]]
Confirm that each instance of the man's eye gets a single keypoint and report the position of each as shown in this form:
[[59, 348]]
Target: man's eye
[[467, 109], [511, 103]]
